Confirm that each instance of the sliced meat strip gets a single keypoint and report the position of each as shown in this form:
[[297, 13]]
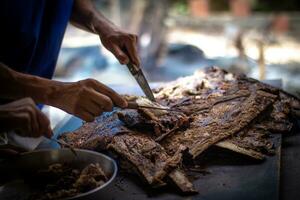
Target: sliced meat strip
[[150, 158]]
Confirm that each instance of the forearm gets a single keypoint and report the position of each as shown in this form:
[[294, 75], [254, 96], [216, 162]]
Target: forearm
[[86, 16], [15, 85]]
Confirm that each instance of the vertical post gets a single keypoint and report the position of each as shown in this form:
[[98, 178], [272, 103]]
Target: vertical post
[[261, 60], [199, 8], [116, 11], [137, 13], [152, 32], [240, 8]]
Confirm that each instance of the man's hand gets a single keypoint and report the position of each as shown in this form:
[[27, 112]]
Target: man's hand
[[122, 44], [24, 118], [86, 99]]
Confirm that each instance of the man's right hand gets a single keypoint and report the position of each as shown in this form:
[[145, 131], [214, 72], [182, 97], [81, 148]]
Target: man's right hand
[[24, 118], [85, 99]]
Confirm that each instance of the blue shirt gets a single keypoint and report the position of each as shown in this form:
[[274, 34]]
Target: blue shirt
[[31, 34]]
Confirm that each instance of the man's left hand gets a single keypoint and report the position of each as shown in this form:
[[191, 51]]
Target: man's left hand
[[122, 44]]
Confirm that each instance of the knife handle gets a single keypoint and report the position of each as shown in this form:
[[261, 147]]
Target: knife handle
[[132, 105], [133, 68]]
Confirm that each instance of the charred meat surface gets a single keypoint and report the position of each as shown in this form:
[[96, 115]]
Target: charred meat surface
[[205, 87], [98, 134], [129, 134], [158, 123], [221, 121], [149, 157]]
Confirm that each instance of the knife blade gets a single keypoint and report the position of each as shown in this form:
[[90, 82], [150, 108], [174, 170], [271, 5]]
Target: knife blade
[[134, 105], [139, 76]]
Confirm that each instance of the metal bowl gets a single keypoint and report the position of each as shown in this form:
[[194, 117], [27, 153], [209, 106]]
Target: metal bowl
[[32, 161]]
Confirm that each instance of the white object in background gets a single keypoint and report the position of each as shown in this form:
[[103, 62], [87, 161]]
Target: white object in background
[[27, 143]]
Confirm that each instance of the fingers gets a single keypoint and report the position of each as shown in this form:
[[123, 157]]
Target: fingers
[[31, 122], [115, 97], [95, 98], [23, 125], [107, 93], [120, 55], [44, 125], [88, 98], [124, 47], [131, 48], [84, 114], [91, 103], [39, 122], [102, 101], [94, 106]]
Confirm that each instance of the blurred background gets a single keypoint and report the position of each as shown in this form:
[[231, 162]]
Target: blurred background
[[260, 38]]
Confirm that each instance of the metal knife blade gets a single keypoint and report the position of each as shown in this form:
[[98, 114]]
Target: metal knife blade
[[134, 105], [141, 80]]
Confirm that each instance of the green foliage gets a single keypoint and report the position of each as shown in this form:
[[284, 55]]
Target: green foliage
[[179, 7]]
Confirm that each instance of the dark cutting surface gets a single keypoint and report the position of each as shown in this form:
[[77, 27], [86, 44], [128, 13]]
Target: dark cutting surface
[[290, 167], [224, 175], [221, 174]]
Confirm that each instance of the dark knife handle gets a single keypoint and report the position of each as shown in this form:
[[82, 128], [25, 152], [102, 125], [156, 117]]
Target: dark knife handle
[[132, 105], [134, 70]]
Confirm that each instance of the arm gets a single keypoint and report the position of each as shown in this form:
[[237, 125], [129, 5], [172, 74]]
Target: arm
[[15, 85], [85, 99], [120, 43]]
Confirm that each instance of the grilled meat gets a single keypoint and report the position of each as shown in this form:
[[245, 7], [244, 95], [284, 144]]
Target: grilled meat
[[221, 121], [206, 88], [215, 108], [148, 157]]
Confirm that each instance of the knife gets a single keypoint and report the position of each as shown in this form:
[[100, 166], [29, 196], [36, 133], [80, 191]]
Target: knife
[[138, 74], [134, 105]]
